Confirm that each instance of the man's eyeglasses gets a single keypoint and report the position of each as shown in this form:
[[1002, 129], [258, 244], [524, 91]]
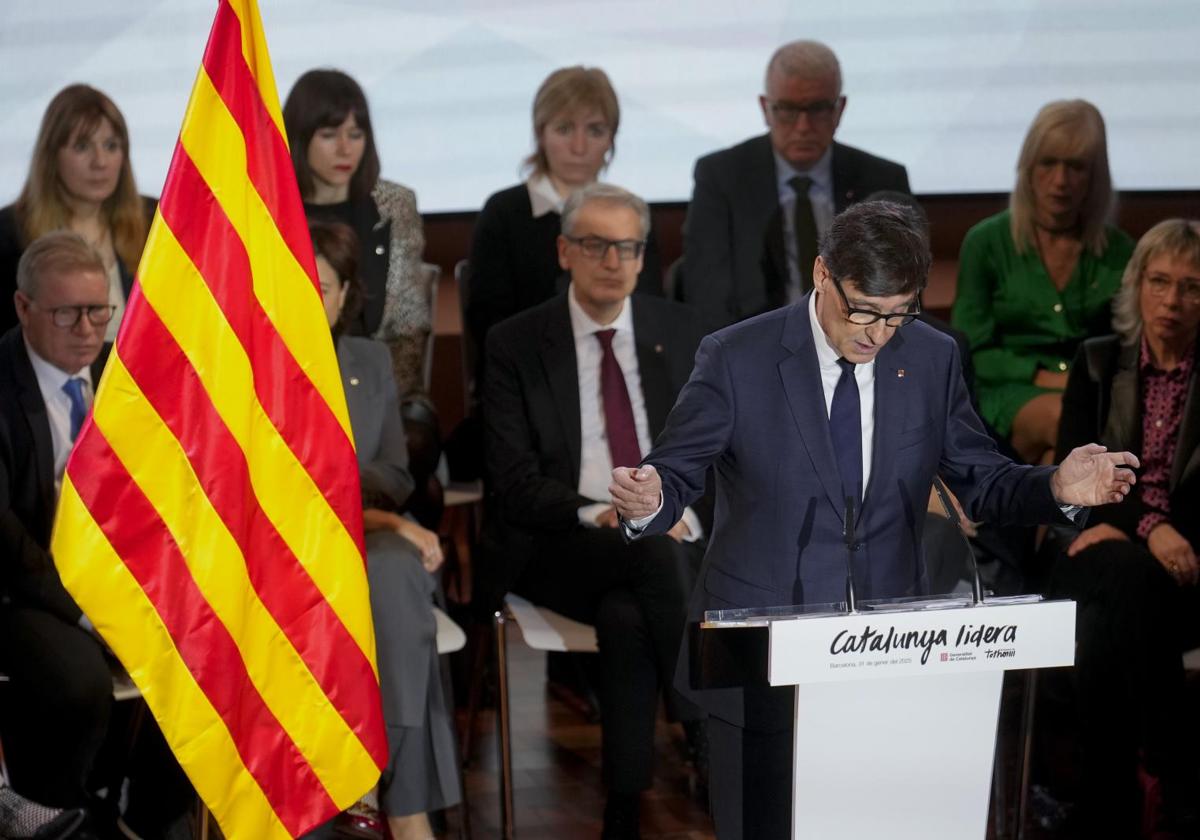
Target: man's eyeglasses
[[596, 247], [866, 317], [1188, 290], [786, 113], [68, 316]]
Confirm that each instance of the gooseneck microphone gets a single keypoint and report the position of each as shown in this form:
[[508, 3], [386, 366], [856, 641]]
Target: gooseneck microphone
[[848, 525], [944, 497]]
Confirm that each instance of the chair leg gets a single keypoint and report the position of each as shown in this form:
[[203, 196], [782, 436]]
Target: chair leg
[[480, 643], [506, 781], [202, 819], [1026, 751]]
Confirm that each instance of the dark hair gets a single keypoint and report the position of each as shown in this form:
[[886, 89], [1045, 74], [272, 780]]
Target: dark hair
[[338, 244], [323, 99], [882, 246]]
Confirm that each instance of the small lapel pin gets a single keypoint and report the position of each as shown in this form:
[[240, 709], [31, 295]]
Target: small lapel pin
[[900, 373], [353, 380], [657, 348]]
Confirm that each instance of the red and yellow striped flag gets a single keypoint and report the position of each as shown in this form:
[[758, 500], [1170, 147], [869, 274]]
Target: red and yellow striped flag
[[210, 523]]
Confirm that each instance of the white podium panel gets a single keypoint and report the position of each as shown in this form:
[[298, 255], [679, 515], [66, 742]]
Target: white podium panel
[[905, 759], [897, 708], [877, 645]]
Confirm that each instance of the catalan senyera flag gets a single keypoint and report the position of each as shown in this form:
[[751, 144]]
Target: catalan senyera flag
[[210, 523]]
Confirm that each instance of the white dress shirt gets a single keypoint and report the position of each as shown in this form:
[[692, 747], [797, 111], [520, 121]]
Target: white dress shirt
[[595, 461], [831, 372], [50, 381], [543, 198], [820, 195]]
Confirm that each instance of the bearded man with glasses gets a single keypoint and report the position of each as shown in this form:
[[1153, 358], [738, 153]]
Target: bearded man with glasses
[[840, 395], [759, 208]]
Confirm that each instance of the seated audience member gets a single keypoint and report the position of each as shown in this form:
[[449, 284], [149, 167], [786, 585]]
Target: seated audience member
[[575, 386], [80, 179], [59, 700], [759, 208], [422, 771], [1036, 279], [964, 347], [1133, 570], [513, 263], [337, 168]]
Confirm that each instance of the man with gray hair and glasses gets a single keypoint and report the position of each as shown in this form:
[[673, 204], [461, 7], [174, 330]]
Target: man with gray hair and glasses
[[759, 208], [574, 387]]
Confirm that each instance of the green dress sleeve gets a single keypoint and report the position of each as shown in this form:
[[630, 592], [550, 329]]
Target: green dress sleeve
[[986, 264]]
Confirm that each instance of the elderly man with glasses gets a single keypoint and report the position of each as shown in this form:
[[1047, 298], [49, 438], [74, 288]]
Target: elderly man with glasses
[[839, 399], [759, 208]]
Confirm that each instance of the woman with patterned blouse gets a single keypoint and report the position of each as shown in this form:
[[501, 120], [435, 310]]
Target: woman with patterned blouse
[[1133, 571], [1038, 278], [333, 151]]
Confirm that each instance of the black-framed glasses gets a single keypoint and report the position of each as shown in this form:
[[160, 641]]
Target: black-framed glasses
[[786, 113], [866, 317], [1188, 290], [68, 316], [596, 247]]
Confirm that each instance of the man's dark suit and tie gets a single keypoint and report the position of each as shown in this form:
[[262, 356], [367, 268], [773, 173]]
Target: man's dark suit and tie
[[57, 706], [759, 208], [797, 409], [575, 386]]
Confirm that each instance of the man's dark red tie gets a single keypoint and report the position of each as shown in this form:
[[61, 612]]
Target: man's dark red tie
[[618, 410]]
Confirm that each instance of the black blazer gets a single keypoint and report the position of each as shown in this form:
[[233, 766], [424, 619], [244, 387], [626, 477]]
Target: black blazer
[[531, 410], [514, 262], [1102, 403], [12, 245], [27, 499], [734, 262]]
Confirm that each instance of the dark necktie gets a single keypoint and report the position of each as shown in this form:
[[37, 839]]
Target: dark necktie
[[74, 389], [805, 224], [619, 427], [845, 429]]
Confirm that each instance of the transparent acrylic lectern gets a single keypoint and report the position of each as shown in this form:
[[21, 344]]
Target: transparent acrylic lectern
[[896, 704]]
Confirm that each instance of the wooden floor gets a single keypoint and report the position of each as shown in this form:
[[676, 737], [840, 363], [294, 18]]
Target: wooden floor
[[556, 769]]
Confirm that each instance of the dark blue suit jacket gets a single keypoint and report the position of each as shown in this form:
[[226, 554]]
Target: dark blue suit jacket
[[755, 410]]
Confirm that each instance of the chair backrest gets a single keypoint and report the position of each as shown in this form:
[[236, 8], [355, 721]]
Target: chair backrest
[[432, 278], [470, 353], [544, 629]]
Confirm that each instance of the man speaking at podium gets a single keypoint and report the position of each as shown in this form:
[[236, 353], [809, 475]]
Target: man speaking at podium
[[838, 399]]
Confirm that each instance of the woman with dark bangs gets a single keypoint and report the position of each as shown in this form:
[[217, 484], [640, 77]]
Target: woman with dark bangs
[[337, 167]]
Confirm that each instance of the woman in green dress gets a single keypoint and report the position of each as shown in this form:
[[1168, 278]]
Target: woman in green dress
[[1038, 278]]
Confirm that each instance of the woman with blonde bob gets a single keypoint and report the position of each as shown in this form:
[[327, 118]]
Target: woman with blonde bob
[[80, 179], [1133, 571], [514, 259], [1036, 279]]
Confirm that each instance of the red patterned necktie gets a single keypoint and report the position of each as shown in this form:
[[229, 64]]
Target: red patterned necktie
[[618, 410]]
